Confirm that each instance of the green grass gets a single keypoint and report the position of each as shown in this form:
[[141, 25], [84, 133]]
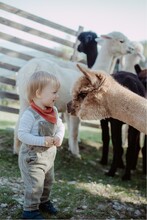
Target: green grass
[[81, 190], [7, 120]]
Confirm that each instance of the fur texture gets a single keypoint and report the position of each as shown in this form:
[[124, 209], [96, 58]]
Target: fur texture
[[131, 134], [142, 75], [97, 95], [88, 45]]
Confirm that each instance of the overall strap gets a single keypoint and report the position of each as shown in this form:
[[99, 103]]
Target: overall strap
[[36, 115]]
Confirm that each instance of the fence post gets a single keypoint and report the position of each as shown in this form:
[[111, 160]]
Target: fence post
[[75, 52]]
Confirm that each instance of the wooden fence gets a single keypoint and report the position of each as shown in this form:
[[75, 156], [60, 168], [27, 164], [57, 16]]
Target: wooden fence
[[14, 20], [15, 23]]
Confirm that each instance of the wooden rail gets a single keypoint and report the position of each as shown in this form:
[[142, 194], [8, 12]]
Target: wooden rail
[[9, 109], [37, 19], [35, 32], [29, 44], [16, 54], [7, 81], [9, 95]]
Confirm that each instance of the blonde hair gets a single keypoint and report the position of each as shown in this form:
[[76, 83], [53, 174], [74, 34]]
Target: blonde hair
[[38, 81]]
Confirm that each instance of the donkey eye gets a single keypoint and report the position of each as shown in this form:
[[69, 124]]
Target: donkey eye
[[121, 41]]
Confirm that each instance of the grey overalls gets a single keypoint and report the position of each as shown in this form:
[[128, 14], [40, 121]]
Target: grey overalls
[[37, 167]]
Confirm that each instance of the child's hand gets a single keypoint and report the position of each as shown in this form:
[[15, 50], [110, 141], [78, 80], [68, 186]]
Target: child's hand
[[49, 141], [57, 142]]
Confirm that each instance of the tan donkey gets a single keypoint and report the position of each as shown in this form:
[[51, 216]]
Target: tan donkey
[[96, 95]]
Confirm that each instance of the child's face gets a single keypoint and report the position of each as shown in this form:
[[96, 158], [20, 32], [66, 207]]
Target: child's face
[[48, 96]]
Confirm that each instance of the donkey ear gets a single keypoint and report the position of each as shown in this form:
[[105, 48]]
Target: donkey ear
[[88, 74]]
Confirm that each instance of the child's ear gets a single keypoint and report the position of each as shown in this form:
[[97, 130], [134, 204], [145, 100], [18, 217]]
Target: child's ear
[[37, 93]]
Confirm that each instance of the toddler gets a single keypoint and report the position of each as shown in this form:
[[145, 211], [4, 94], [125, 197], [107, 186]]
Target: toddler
[[40, 131]]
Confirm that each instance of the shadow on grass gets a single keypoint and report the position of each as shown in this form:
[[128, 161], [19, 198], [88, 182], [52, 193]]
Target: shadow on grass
[[89, 168]]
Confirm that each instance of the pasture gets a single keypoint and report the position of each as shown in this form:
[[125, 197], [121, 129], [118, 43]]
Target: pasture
[[81, 190]]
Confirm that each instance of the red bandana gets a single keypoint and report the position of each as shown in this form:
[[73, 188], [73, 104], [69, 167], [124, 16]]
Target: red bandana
[[49, 113]]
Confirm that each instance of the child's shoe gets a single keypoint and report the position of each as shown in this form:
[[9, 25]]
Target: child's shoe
[[48, 207], [32, 215]]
